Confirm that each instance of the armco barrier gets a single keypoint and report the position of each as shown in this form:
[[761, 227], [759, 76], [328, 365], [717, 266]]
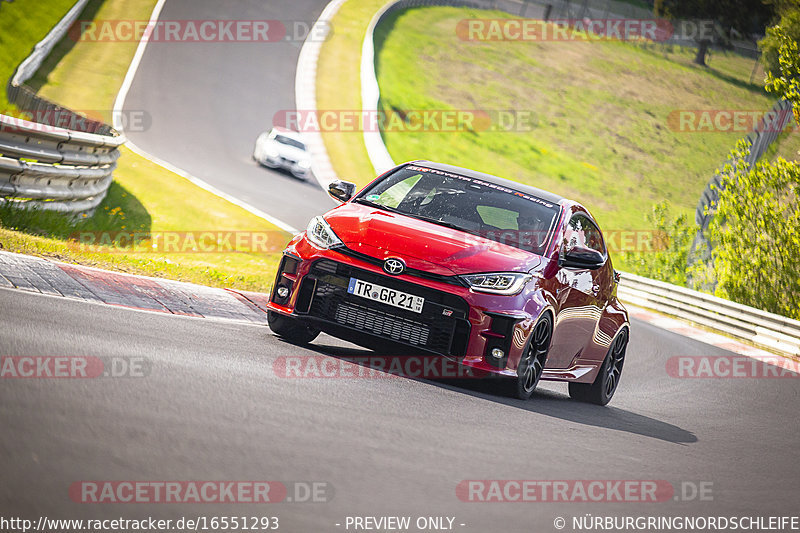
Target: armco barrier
[[46, 166], [53, 168], [28, 68], [759, 327]]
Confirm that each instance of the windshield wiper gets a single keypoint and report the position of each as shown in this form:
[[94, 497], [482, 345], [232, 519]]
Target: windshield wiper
[[439, 222], [379, 206]]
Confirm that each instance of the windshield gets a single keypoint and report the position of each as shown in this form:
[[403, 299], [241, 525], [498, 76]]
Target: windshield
[[289, 141], [467, 204]]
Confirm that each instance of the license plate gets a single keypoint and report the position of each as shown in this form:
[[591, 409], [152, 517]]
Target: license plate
[[378, 293]]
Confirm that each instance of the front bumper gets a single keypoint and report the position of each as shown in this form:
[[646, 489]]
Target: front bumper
[[282, 162], [455, 322]]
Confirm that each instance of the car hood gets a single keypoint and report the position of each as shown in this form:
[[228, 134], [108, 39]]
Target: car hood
[[424, 245]]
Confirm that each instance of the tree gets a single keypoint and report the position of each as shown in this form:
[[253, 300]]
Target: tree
[[756, 235], [756, 225], [787, 31], [785, 80], [666, 261], [745, 16]]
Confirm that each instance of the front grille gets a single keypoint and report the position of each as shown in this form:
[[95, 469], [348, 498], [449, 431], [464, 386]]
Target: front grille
[[441, 327], [383, 324]]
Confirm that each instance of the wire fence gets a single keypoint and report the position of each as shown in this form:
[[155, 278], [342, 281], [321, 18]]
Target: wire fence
[[765, 133], [46, 112]]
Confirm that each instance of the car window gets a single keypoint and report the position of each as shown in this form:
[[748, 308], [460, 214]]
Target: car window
[[395, 194], [498, 217], [468, 204], [290, 142], [583, 232]]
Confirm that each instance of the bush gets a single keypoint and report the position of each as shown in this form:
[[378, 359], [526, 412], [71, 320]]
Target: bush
[[667, 259], [756, 235], [776, 36]]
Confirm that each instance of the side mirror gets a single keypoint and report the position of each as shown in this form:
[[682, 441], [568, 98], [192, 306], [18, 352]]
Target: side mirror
[[581, 257], [342, 190]]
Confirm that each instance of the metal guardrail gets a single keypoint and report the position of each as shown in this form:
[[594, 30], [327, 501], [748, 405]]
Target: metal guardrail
[[759, 327], [53, 168], [46, 166], [28, 68]]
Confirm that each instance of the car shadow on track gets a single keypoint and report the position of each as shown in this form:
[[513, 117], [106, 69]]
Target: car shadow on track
[[310, 180], [544, 402], [561, 406]]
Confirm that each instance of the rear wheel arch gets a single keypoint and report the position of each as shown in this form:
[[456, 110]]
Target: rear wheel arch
[[606, 382]]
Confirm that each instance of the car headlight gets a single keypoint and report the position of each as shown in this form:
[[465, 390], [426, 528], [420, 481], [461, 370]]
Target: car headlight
[[320, 233], [497, 282], [272, 151]]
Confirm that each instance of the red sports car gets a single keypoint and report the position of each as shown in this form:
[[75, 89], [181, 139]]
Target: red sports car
[[501, 277]]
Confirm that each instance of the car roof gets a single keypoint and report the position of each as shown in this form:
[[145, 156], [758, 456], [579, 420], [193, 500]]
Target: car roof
[[533, 191]]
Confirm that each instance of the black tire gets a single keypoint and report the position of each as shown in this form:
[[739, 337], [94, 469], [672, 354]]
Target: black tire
[[532, 363], [605, 384], [293, 330]]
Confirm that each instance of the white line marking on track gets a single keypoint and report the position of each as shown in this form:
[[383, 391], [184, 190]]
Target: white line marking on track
[[119, 103]]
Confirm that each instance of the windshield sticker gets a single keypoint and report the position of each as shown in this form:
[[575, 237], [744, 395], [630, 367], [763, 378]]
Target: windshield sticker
[[372, 197], [480, 182]]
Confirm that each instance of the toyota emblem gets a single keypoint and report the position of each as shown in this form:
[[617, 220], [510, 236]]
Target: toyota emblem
[[393, 266]]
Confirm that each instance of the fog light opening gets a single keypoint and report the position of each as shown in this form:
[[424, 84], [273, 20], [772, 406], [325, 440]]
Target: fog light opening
[[497, 353], [282, 292]]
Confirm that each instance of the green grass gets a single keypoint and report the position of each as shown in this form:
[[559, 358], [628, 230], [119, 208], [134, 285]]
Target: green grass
[[24, 23], [601, 133], [71, 71], [144, 197], [787, 146], [339, 87]]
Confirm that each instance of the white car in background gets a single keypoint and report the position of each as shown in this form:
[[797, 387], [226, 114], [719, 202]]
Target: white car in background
[[282, 148]]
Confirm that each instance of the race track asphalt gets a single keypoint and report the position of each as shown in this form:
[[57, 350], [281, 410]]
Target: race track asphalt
[[211, 408], [207, 102]]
